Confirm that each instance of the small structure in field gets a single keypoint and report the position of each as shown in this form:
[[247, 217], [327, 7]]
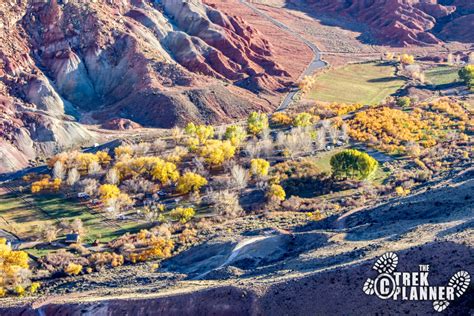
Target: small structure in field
[[73, 238], [83, 195]]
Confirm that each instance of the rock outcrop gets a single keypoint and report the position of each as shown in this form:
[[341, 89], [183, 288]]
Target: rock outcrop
[[156, 63], [120, 124], [407, 22]]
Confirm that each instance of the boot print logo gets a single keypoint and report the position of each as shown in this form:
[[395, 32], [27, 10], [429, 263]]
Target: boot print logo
[[413, 286]]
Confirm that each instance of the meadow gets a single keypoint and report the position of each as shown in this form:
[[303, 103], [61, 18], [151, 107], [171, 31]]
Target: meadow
[[442, 75], [24, 216], [366, 83]]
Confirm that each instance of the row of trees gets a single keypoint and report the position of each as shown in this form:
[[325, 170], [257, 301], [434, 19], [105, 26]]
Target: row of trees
[[389, 129], [404, 59]]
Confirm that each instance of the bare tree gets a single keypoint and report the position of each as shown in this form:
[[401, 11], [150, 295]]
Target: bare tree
[[73, 176], [200, 166], [344, 135], [141, 149], [450, 59], [239, 177], [326, 124], [177, 134], [138, 185], [252, 149], [415, 72], [413, 149], [72, 161], [265, 147], [89, 186], [48, 232], [292, 145], [94, 168], [321, 139], [159, 145], [226, 204], [77, 227], [112, 176], [262, 185], [116, 205], [297, 141], [151, 214], [457, 60], [305, 139], [265, 134], [333, 134], [220, 131], [280, 140], [58, 170]]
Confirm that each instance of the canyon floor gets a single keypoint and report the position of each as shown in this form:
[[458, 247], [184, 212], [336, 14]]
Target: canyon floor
[[279, 265]]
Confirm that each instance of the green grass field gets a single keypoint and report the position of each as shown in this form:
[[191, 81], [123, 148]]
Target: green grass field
[[367, 83], [442, 74], [20, 218]]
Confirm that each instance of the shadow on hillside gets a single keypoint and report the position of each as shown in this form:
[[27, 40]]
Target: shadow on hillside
[[442, 205], [252, 255], [365, 37], [400, 216], [339, 290]]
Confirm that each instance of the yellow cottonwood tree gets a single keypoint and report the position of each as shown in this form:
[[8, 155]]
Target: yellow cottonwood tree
[[259, 167], [215, 152], [190, 181], [276, 192], [201, 132], [236, 134], [108, 191], [164, 172], [307, 83], [73, 269], [303, 120], [280, 118], [257, 122], [14, 268], [182, 214], [407, 59]]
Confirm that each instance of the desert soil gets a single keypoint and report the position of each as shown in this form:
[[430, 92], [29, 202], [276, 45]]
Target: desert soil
[[275, 264]]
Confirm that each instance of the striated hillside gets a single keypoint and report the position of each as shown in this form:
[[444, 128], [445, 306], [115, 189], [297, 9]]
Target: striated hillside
[[156, 63], [407, 22]]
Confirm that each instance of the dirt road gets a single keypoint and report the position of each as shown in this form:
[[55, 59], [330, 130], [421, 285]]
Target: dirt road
[[315, 64]]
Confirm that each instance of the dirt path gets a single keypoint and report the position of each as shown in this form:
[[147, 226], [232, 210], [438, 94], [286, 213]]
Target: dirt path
[[235, 252], [315, 64]]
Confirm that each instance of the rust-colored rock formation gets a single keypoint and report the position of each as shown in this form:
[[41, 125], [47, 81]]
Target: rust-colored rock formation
[[120, 124], [407, 22], [155, 63]]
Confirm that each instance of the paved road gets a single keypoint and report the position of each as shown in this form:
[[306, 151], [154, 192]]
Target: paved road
[[315, 64]]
